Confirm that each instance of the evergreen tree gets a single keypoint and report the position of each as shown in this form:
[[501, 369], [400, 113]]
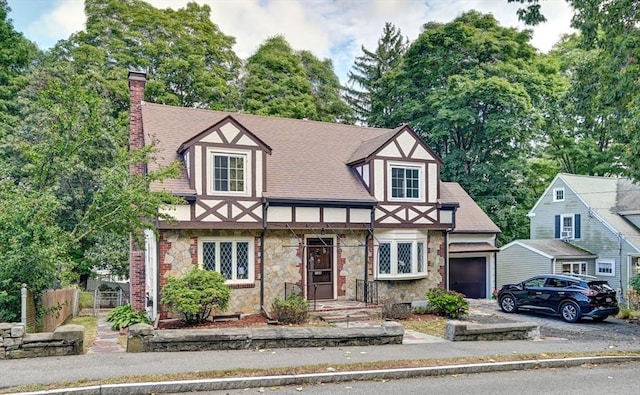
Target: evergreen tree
[[368, 70]]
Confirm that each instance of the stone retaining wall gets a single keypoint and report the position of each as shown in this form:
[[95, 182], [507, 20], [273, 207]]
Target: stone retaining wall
[[464, 331], [143, 338], [16, 343]]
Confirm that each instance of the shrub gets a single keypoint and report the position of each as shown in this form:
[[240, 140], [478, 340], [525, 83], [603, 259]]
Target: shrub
[[124, 316], [447, 303], [628, 313], [86, 300], [196, 295], [635, 282], [395, 311], [293, 310], [421, 310]]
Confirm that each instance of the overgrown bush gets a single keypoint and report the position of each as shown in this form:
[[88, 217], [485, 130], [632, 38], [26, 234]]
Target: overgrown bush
[[197, 295], [293, 310], [447, 303], [124, 316], [392, 310]]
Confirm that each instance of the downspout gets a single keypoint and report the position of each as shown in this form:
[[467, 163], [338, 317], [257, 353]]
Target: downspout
[[156, 302], [495, 266], [366, 255], [620, 262], [265, 206]]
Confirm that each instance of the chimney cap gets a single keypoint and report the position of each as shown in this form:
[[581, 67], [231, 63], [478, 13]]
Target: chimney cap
[[137, 75]]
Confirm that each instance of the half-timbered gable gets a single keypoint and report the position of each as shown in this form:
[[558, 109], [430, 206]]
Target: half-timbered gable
[[402, 173]]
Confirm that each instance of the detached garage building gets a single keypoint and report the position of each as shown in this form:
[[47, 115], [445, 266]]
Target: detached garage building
[[521, 259], [472, 246]]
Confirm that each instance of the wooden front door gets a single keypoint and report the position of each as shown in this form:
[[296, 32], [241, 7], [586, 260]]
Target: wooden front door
[[319, 269]]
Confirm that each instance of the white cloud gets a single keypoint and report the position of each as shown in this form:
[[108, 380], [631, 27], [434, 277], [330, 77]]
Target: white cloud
[[334, 29], [66, 18]]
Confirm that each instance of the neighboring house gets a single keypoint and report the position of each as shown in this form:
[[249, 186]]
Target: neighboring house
[[339, 212], [599, 216]]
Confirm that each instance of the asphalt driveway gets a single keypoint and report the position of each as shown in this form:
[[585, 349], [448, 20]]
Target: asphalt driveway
[[612, 329]]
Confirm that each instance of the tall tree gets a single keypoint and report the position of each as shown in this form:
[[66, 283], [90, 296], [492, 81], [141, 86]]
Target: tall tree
[[474, 91], [607, 83], [189, 61], [16, 55], [367, 71], [282, 82]]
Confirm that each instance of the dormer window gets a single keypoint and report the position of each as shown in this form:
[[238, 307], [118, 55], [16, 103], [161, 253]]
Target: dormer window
[[229, 173], [406, 182]]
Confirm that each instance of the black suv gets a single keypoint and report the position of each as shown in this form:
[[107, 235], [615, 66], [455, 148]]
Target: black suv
[[569, 296]]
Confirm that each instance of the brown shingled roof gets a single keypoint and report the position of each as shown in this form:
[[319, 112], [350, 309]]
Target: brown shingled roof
[[470, 218], [308, 160]]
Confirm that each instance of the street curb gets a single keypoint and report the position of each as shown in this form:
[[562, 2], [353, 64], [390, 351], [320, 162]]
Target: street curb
[[330, 377]]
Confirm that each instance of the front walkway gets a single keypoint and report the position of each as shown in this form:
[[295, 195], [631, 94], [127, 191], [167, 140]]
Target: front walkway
[[106, 339]]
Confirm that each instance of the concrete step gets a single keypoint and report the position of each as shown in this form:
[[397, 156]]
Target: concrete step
[[359, 316]]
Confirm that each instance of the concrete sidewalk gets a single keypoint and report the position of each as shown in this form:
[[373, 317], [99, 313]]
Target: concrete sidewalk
[[96, 366], [107, 359]]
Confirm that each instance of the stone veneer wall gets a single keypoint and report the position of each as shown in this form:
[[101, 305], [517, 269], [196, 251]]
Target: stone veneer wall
[[351, 264], [16, 343], [284, 264], [415, 290], [179, 255]]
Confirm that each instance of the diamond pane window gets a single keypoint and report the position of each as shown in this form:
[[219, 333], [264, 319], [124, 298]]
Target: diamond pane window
[[226, 260], [209, 256], [384, 258], [404, 257], [242, 260], [401, 259], [233, 259]]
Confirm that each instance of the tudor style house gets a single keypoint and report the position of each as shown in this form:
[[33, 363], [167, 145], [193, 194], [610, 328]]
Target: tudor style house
[[340, 212], [583, 225]]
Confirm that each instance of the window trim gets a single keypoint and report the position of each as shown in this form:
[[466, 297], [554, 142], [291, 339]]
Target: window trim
[[555, 194], [573, 226], [606, 261], [393, 252], [420, 167], [571, 263], [210, 176], [235, 240]]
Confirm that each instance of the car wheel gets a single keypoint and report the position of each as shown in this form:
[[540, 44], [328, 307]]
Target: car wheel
[[599, 318], [570, 312], [508, 304]]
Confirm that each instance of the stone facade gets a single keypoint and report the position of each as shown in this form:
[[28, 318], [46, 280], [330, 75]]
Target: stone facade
[[16, 343], [284, 263]]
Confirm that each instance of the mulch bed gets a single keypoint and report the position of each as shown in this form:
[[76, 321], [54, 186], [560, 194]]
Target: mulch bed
[[251, 320]]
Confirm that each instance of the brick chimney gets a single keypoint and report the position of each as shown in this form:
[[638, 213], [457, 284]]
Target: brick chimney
[[137, 81]]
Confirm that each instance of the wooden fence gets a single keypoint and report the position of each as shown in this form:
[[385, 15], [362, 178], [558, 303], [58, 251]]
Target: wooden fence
[[57, 305]]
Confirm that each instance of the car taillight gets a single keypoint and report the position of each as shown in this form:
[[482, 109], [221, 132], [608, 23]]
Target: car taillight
[[589, 292]]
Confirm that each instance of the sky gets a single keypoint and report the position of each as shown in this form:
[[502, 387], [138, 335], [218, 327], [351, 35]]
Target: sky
[[334, 29]]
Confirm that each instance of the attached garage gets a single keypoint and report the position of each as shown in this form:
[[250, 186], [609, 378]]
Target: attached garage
[[468, 276]]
